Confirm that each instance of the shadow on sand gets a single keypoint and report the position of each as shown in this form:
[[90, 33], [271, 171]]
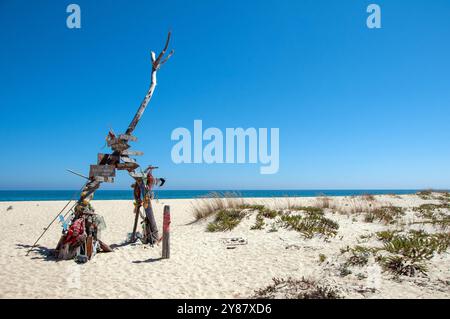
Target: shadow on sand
[[45, 253], [150, 260]]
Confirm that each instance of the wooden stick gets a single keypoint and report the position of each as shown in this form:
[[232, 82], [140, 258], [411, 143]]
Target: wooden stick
[[45, 229], [166, 233], [136, 220], [137, 207]]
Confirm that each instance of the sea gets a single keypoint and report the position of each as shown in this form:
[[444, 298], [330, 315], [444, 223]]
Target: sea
[[53, 195]]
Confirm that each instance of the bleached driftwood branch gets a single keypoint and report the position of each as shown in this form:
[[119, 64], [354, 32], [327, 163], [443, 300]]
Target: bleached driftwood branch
[[157, 62]]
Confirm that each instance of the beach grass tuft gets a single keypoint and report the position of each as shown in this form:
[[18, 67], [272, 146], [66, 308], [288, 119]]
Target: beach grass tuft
[[434, 214], [408, 253], [323, 202], [226, 219], [385, 214], [425, 194], [368, 197], [311, 222], [214, 202]]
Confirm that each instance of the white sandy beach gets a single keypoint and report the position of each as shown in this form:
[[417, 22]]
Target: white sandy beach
[[201, 266]]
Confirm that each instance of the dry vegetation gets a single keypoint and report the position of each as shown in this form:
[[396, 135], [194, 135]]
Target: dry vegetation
[[296, 289], [215, 202], [385, 214], [229, 211], [402, 251], [402, 254]]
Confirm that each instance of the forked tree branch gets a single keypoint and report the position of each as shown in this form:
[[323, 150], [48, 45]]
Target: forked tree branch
[[156, 64]]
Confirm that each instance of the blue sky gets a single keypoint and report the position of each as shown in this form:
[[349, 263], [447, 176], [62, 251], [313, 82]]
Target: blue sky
[[356, 108]]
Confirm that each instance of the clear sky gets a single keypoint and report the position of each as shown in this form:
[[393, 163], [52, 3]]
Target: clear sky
[[356, 108]]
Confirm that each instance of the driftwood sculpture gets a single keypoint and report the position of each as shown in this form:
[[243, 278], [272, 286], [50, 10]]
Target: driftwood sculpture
[[81, 233]]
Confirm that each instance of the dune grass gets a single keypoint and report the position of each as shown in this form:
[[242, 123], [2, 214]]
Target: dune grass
[[434, 214], [402, 254], [312, 222], [385, 214], [214, 202], [226, 219]]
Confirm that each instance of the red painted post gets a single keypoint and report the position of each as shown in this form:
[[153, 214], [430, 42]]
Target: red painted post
[[166, 233]]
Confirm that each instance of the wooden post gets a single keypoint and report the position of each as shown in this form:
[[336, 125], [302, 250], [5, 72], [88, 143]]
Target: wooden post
[[137, 207], [166, 233], [151, 228], [136, 220]]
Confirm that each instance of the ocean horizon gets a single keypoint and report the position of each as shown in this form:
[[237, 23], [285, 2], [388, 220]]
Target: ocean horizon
[[54, 195]]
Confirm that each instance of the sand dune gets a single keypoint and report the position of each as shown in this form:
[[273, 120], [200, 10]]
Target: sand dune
[[201, 266]]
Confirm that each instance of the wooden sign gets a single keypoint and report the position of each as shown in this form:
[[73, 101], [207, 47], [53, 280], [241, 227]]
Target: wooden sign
[[127, 137], [119, 147], [107, 159], [104, 179], [132, 153], [127, 166], [122, 138], [102, 170], [126, 159]]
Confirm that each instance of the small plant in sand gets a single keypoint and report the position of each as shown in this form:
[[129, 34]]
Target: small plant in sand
[[323, 202], [252, 207], [226, 219], [357, 206], [214, 202], [368, 197], [322, 258], [273, 228], [344, 271], [425, 194], [366, 236], [386, 235], [428, 210], [358, 258], [402, 254], [259, 224], [296, 289], [407, 254], [311, 222], [435, 214], [369, 218], [402, 266], [358, 250], [263, 212], [386, 214], [308, 209], [443, 196], [269, 213]]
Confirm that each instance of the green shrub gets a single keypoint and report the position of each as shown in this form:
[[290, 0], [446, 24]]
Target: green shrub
[[226, 220], [310, 224], [259, 224], [408, 253]]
